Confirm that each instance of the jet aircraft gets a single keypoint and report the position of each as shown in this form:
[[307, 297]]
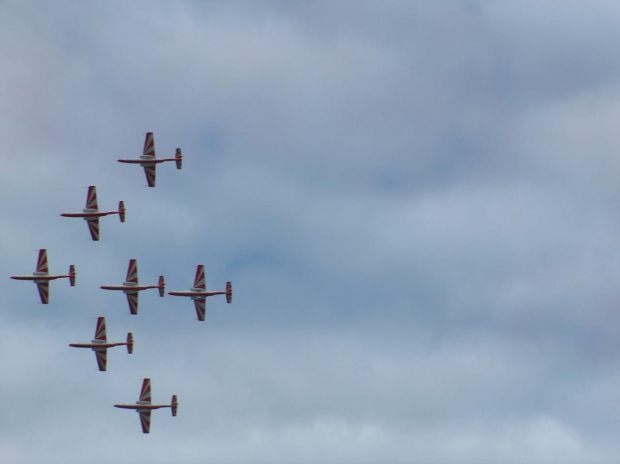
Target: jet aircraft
[[144, 406], [92, 214], [199, 293], [42, 277], [131, 286], [101, 344], [149, 161]]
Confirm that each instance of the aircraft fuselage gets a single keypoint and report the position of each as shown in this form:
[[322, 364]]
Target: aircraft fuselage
[[129, 287], [196, 293], [147, 161], [97, 345], [142, 406], [88, 215], [39, 278]]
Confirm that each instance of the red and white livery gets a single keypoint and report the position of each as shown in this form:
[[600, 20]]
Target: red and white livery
[[132, 286], [42, 277], [100, 344], [199, 293], [91, 213], [144, 406], [149, 161]]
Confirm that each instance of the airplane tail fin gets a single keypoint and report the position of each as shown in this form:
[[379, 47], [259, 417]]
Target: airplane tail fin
[[130, 343], [174, 405], [121, 210], [229, 292], [178, 157], [72, 275], [162, 286]]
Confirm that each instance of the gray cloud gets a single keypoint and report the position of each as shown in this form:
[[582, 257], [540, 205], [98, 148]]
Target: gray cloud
[[416, 205]]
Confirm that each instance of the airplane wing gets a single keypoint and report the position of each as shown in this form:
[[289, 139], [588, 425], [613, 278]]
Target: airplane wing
[[132, 299], [201, 308], [145, 396], [102, 358], [145, 421], [199, 281], [100, 332], [145, 392], [149, 145], [132, 271], [151, 174], [93, 226], [91, 198], [44, 291], [42, 261]]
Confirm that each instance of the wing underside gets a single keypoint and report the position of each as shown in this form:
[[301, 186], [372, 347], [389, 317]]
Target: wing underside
[[132, 299], [44, 291], [149, 145], [42, 261], [132, 271], [91, 198], [93, 227], [145, 421], [145, 392], [199, 280], [100, 331], [102, 359], [201, 308], [151, 175]]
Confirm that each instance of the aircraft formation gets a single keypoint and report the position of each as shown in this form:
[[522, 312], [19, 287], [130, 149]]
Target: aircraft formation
[[131, 286]]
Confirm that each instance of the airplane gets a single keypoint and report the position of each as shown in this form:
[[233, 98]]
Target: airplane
[[199, 293], [131, 286], [92, 214], [144, 406], [100, 344], [149, 162], [42, 277]]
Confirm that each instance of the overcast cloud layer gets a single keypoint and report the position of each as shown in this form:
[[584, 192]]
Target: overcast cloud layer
[[416, 202]]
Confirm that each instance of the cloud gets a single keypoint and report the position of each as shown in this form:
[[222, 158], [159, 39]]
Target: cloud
[[415, 205]]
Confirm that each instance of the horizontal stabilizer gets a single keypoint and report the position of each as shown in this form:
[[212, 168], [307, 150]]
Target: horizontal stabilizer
[[229, 292], [161, 286], [121, 210], [130, 343], [178, 157], [72, 275]]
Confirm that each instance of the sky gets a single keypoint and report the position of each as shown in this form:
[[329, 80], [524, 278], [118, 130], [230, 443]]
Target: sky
[[416, 202]]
